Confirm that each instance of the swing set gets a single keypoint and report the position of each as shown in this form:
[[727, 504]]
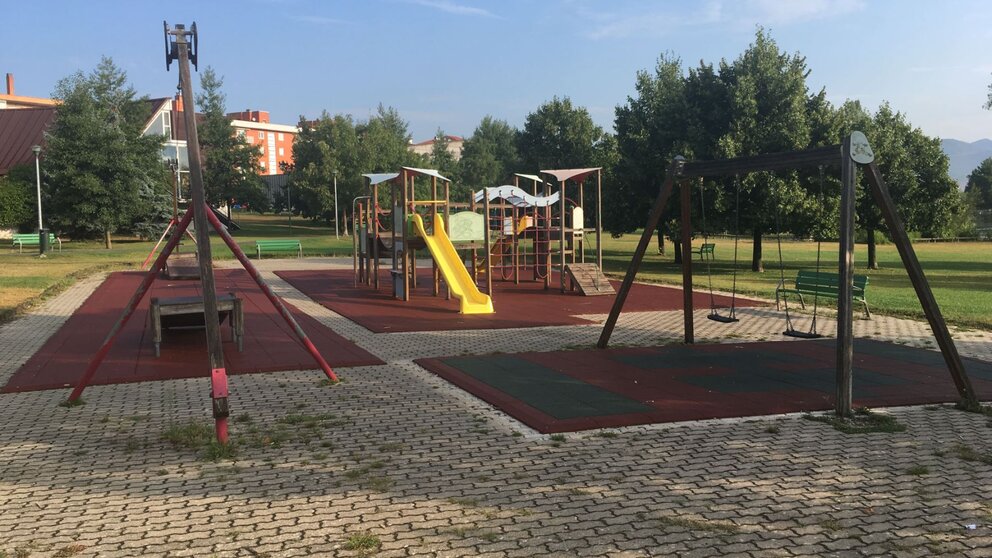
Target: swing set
[[855, 151]]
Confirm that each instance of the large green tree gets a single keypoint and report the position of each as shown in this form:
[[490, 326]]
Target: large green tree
[[103, 175], [559, 135], [979, 186], [230, 165], [443, 161], [490, 157], [17, 197]]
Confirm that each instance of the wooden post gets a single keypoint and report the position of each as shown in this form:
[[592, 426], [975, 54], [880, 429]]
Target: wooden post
[[406, 245], [435, 272], [487, 244], [599, 219], [635, 261], [685, 190], [845, 315], [561, 228], [880, 192], [375, 237]]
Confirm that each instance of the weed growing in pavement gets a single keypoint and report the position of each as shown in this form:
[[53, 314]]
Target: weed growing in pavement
[[967, 453], [606, 434], [863, 421], [557, 437], [70, 404], [364, 542], [772, 429], [390, 447], [918, 470], [464, 502], [199, 436], [830, 525], [71, 550]]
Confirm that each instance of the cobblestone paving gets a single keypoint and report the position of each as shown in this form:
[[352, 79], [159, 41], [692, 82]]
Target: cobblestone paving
[[395, 462]]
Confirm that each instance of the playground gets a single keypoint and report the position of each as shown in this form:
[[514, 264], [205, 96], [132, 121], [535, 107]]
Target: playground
[[471, 382]]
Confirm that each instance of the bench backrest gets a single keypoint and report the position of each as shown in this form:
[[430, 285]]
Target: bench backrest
[[30, 237], [277, 243], [826, 283], [708, 247]]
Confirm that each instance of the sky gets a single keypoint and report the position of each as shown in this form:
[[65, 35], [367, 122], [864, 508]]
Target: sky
[[445, 64]]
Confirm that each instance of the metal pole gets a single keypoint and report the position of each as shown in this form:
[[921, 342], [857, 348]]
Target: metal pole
[[337, 234], [685, 190], [37, 173]]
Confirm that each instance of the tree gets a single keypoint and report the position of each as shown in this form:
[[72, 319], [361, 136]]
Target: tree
[[768, 103], [230, 165], [979, 185], [445, 163], [103, 175], [559, 136], [17, 201], [489, 157]]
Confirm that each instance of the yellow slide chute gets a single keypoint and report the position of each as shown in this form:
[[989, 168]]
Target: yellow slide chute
[[451, 266]]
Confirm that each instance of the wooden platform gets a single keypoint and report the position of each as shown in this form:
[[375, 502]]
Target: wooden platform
[[182, 266], [589, 279]]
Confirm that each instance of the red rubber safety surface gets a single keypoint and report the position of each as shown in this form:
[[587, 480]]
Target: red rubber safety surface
[[525, 305], [270, 345]]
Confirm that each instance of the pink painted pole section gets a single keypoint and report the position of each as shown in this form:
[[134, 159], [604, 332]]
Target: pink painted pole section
[[157, 244], [130, 308], [279, 306]]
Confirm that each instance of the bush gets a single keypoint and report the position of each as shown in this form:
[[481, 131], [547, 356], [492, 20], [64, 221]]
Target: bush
[[17, 201]]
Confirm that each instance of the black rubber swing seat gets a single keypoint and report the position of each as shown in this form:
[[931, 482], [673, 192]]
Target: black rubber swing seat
[[722, 319], [801, 334]]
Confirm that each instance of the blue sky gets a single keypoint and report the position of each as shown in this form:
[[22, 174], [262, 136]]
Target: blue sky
[[448, 63]]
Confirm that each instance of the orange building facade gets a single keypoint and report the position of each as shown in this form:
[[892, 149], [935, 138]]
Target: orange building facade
[[275, 141]]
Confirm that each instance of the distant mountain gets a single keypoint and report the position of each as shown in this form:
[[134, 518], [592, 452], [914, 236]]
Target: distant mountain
[[965, 156]]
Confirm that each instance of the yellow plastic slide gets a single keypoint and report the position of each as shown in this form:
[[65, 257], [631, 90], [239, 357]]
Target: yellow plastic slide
[[454, 272]]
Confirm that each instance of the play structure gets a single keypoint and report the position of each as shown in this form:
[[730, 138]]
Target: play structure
[[522, 236], [180, 45], [417, 223], [853, 152]]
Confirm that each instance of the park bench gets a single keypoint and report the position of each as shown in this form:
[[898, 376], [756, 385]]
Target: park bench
[[20, 240], [187, 312], [705, 248], [823, 284], [278, 246]]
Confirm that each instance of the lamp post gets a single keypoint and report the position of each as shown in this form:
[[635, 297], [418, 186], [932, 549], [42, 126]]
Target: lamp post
[[336, 228], [42, 233]]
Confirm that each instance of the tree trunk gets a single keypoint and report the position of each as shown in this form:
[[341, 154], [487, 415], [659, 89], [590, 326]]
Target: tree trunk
[[661, 239], [678, 251], [106, 240], [872, 257], [756, 263]]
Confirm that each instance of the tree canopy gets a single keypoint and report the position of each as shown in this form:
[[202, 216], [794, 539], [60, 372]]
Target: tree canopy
[[979, 186], [103, 175], [230, 165]]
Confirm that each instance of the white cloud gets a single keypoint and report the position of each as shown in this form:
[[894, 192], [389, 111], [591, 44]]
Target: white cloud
[[453, 8]]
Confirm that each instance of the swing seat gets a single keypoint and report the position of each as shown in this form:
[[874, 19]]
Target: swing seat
[[722, 319], [801, 334]]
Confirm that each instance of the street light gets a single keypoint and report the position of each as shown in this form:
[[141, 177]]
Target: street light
[[336, 229], [42, 233]]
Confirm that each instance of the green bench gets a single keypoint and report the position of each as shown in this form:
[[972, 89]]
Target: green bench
[[705, 248], [20, 240], [278, 246], [825, 285]]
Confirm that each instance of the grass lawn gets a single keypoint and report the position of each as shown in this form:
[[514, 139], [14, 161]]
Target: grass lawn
[[959, 273], [26, 279]]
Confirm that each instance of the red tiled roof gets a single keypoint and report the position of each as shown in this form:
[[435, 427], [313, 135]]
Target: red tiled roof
[[20, 129]]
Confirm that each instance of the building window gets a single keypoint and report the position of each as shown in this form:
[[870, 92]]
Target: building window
[[282, 152], [261, 135], [262, 164], [280, 138]]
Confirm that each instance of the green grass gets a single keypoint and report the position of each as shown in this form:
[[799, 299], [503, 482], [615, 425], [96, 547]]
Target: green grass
[[958, 273], [26, 279], [363, 542], [862, 422]]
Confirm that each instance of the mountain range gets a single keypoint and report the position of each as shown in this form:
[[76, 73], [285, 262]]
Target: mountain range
[[965, 156]]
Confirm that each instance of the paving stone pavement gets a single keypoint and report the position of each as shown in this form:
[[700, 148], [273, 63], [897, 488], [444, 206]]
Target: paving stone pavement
[[401, 461]]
